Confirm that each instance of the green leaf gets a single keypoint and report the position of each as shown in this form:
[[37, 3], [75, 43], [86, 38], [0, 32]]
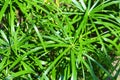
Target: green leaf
[[3, 9], [77, 4], [4, 36], [82, 26], [73, 64], [97, 64], [12, 19], [56, 60], [40, 37], [17, 74], [27, 67], [23, 56], [2, 64]]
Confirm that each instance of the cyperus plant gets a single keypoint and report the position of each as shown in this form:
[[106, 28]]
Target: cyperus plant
[[59, 40]]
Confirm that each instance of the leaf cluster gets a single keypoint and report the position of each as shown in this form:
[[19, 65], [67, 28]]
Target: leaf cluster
[[59, 40]]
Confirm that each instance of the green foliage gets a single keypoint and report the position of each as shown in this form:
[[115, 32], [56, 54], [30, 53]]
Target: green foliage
[[59, 40]]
